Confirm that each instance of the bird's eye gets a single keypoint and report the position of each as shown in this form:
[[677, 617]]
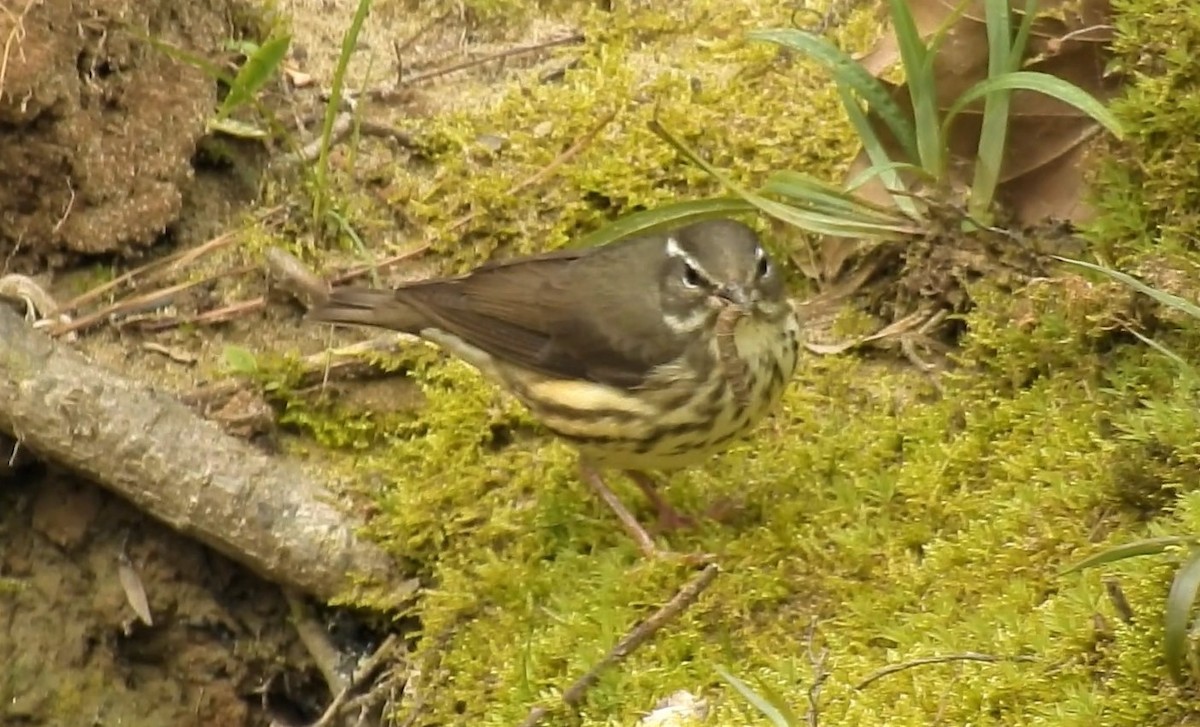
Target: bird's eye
[[691, 276], [764, 266]]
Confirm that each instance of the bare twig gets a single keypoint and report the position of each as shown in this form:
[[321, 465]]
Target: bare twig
[[928, 660], [146, 301], [316, 641], [387, 262], [289, 274], [153, 270], [1116, 595], [385, 94], [399, 48], [310, 151], [313, 368], [361, 675], [38, 302], [820, 674], [641, 633]]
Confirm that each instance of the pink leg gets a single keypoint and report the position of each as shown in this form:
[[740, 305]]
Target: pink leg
[[668, 517], [630, 523]]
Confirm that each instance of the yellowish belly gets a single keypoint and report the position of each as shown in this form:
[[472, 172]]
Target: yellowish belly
[[674, 423], [618, 429]]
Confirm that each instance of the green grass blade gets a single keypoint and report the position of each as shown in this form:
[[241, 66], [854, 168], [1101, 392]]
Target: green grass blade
[[259, 67], [1184, 365], [826, 197], [819, 223], [1044, 83], [993, 133], [878, 156], [877, 170], [1178, 614], [768, 710], [1023, 30], [922, 87], [847, 72], [1148, 546], [666, 216], [1162, 297], [332, 107]]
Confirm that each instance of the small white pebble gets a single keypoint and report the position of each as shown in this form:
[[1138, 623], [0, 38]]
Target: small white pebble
[[681, 709]]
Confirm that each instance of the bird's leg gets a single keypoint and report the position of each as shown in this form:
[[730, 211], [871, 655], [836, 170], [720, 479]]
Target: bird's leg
[[632, 526], [668, 517]]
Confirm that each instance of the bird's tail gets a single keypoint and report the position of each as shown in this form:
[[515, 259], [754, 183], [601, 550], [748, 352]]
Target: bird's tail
[[367, 307]]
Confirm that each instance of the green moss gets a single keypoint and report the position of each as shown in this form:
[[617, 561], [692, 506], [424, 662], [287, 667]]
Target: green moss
[[1151, 189], [906, 521]]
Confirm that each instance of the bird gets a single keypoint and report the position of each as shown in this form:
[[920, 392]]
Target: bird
[[647, 354]]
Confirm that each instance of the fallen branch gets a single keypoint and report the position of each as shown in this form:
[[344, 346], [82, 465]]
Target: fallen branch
[[640, 634], [265, 513]]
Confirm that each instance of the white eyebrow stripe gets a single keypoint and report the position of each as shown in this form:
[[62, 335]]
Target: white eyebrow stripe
[[674, 250]]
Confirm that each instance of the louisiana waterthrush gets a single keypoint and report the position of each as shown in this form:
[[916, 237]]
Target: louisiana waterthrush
[[649, 353]]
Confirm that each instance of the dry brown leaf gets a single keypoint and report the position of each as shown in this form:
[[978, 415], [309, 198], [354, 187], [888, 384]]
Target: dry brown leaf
[[1080, 21], [1053, 191]]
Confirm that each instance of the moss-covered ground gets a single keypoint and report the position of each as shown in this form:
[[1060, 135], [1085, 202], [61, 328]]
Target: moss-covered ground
[[897, 518]]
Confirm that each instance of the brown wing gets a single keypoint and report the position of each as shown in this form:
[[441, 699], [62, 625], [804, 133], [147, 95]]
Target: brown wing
[[573, 313]]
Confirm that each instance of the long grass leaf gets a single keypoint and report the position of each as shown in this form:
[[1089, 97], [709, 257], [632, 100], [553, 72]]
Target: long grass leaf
[[333, 106], [812, 191], [1180, 600], [1148, 546], [993, 133], [813, 222], [259, 67], [848, 72], [878, 156], [922, 87], [767, 709], [664, 216], [1044, 83], [1017, 56], [1161, 296], [875, 170], [1185, 366]]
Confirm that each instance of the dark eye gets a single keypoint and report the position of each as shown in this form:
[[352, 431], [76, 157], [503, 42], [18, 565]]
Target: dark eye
[[764, 266], [691, 276]]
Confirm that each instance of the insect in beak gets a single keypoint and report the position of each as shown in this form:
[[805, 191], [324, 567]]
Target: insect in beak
[[732, 295]]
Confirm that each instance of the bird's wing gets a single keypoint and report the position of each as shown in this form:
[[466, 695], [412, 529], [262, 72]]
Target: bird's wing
[[542, 313]]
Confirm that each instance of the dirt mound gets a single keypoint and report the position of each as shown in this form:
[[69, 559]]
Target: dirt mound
[[98, 127]]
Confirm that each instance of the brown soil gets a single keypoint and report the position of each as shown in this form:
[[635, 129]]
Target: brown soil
[[98, 127], [76, 653], [98, 131]]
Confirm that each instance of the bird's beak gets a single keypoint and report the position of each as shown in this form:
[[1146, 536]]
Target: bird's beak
[[734, 295]]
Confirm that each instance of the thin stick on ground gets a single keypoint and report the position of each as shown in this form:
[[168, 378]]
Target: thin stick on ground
[[385, 94], [152, 270], [360, 676], [820, 674], [640, 634], [928, 660], [145, 301]]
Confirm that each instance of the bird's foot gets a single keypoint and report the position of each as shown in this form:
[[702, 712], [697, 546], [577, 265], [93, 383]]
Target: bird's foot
[[669, 519]]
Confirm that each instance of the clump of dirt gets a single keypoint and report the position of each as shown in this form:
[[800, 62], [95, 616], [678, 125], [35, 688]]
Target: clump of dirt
[[73, 648], [99, 127]]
